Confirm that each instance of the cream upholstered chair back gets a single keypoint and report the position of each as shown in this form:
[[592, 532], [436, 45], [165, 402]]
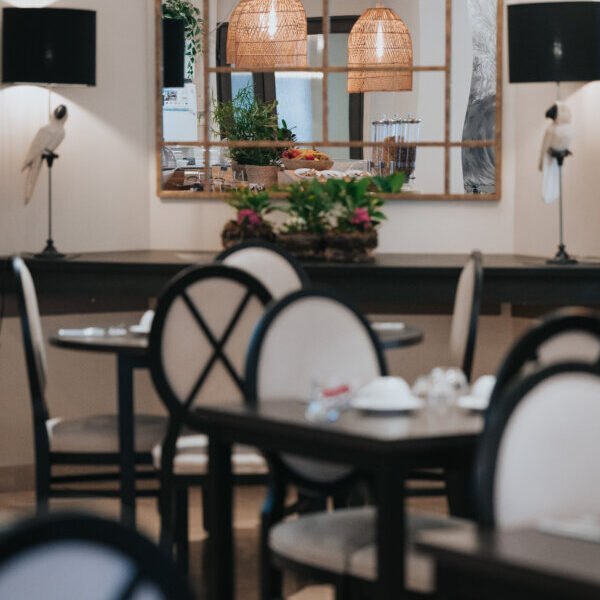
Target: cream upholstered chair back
[[465, 317], [538, 455], [277, 270], [200, 335], [76, 556], [306, 337]]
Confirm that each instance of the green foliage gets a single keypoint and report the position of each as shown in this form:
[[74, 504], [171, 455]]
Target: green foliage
[[188, 12], [247, 118], [309, 205], [389, 185], [245, 198]]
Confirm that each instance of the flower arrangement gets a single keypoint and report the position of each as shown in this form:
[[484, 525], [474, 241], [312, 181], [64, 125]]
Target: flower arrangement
[[250, 223]]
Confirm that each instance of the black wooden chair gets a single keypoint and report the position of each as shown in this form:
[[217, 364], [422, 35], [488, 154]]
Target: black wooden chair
[[568, 334], [307, 333], [90, 441], [62, 556], [538, 455], [198, 342], [275, 268]]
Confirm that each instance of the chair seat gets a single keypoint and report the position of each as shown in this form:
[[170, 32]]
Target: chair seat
[[343, 542], [100, 433], [191, 457]]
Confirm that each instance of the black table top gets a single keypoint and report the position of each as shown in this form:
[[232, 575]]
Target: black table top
[[282, 426], [523, 555], [129, 344]]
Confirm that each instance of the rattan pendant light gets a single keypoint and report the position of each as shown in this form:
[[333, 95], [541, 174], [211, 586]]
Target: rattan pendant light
[[270, 34], [232, 31], [379, 38]]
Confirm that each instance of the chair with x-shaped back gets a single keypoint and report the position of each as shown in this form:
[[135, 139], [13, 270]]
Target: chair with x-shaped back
[[198, 342]]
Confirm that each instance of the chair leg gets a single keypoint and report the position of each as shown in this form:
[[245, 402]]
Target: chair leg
[[271, 578], [42, 486], [182, 544], [205, 508], [343, 590], [167, 515]]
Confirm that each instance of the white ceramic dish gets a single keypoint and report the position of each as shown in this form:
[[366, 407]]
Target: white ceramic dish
[[473, 403], [391, 327], [387, 404]]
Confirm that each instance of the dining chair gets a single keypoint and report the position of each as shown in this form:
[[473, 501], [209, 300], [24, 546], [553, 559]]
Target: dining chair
[[277, 269], [73, 555], [80, 442], [305, 333], [538, 454], [569, 334], [197, 350], [306, 336]]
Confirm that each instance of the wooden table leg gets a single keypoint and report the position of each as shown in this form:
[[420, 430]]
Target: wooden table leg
[[221, 573], [458, 481], [390, 496], [125, 367]]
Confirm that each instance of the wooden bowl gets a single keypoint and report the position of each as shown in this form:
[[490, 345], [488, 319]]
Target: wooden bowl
[[292, 164]]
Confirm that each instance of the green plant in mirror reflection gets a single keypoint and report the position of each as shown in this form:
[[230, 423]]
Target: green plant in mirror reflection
[[186, 11], [247, 118]]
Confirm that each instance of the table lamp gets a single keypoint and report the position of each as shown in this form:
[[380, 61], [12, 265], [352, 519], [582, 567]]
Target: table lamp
[[50, 47], [554, 42]]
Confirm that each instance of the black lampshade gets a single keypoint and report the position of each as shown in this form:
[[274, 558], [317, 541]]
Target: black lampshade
[[173, 52], [557, 41], [49, 46]]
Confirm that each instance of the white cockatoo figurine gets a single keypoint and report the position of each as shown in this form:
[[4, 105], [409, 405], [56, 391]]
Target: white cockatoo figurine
[[555, 148], [46, 140]]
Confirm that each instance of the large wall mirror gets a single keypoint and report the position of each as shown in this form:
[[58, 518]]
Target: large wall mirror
[[444, 133]]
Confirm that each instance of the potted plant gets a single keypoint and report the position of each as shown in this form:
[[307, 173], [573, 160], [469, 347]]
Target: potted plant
[[357, 215], [190, 14], [250, 223], [308, 206], [247, 118]]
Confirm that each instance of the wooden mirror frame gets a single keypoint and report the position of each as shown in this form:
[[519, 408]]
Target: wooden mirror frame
[[446, 144]]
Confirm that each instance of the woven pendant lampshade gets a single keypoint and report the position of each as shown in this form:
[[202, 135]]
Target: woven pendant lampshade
[[232, 31], [270, 34], [379, 38]]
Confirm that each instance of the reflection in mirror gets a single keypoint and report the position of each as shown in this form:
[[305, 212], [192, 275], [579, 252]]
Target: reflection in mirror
[[443, 133]]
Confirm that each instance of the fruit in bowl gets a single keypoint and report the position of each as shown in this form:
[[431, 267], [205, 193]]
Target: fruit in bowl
[[296, 158]]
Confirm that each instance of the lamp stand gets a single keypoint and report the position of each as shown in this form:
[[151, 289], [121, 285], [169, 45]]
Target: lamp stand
[[562, 257], [50, 251]]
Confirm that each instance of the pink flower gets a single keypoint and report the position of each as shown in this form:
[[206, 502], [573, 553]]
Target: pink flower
[[247, 215], [361, 218]]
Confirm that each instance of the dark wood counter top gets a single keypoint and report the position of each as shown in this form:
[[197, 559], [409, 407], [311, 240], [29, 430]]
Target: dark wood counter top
[[393, 283]]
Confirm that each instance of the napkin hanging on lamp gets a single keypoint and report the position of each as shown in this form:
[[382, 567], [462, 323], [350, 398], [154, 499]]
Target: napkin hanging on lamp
[[271, 34], [380, 38]]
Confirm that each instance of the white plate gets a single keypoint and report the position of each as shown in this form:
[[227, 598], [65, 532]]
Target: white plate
[[385, 327], [306, 173], [355, 173], [386, 404], [332, 174], [475, 403], [139, 330]]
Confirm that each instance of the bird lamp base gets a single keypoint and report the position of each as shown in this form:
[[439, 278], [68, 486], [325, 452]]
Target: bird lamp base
[[562, 257]]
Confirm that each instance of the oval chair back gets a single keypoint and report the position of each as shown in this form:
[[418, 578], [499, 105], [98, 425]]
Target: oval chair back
[[566, 335], [538, 455], [465, 317], [76, 556], [307, 335], [275, 268], [199, 337]]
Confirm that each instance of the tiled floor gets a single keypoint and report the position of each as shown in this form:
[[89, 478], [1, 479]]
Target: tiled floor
[[247, 505]]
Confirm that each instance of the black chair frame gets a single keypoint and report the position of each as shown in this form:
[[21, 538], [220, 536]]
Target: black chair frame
[[498, 416], [174, 501], [152, 565], [525, 350], [49, 485], [312, 494]]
